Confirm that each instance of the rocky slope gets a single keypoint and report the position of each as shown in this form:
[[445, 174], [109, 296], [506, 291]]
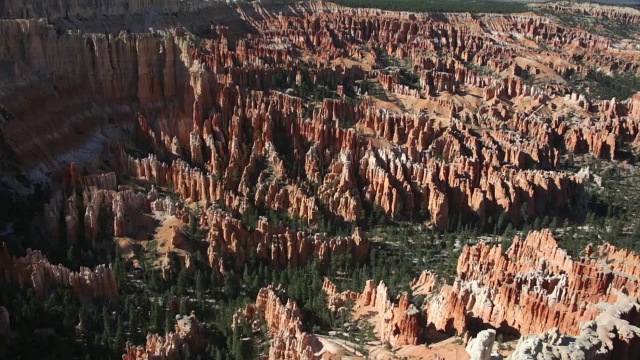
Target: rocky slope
[[279, 133]]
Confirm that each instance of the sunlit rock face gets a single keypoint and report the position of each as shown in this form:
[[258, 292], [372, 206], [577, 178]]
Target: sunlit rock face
[[534, 287], [284, 326], [265, 130]]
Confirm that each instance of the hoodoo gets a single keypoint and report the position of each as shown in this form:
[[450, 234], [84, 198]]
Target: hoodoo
[[316, 180]]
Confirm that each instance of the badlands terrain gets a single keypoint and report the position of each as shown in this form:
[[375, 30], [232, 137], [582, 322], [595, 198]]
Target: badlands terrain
[[305, 180]]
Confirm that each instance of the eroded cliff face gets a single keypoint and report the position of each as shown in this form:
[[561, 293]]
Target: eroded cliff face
[[397, 320], [34, 270], [563, 308], [53, 10], [287, 340], [228, 121], [76, 88], [536, 287], [87, 203], [532, 288], [613, 334], [191, 98]]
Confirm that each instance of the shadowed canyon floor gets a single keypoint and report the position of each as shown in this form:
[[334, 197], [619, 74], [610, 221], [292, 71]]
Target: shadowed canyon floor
[[312, 181]]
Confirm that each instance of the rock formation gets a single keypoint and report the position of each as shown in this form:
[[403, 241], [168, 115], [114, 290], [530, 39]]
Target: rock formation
[[99, 283], [582, 308], [188, 334], [34, 270], [532, 288], [397, 320], [277, 127], [228, 237], [287, 339], [480, 347], [424, 284], [439, 168], [614, 334]]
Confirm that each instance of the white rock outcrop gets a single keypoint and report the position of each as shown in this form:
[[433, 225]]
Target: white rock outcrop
[[479, 348]]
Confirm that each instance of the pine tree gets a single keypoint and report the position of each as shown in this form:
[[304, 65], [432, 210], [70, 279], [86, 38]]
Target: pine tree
[[71, 256], [193, 224], [183, 306], [182, 281], [154, 317], [133, 318], [82, 319], [230, 284], [213, 280], [635, 235], [168, 324], [537, 224], [501, 221], [106, 328], [545, 222], [118, 343], [524, 211], [118, 268], [507, 237], [200, 286], [246, 276], [218, 354]]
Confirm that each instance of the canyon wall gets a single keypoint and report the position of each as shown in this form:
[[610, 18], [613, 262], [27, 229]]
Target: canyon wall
[[85, 98], [84, 9], [222, 118]]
